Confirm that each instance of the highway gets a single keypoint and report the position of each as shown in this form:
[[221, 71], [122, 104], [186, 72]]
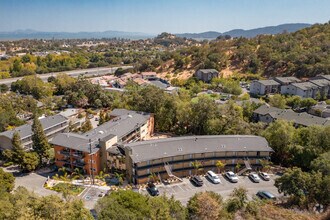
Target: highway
[[74, 73]]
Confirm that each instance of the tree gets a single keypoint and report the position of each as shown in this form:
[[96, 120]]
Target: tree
[[305, 189], [30, 161], [238, 200], [220, 165], [40, 142], [279, 135], [87, 125], [18, 151], [277, 101], [322, 164], [204, 205], [7, 181], [197, 166]]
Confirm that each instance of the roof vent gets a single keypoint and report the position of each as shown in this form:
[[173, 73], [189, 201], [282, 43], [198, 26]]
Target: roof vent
[[101, 132], [130, 116], [180, 149]]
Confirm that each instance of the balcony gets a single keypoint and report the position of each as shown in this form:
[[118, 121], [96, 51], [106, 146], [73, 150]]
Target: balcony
[[65, 152], [79, 163], [77, 155]]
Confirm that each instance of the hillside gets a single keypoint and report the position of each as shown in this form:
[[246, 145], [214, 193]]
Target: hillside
[[304, 53], [269, 30]]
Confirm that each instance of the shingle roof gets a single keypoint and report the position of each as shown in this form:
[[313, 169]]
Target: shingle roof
[[289, 115], [305, 85], [208, 70], [269, 82], [320, 82], [168, 147], [287, 80], [75, 141], [26, 130]]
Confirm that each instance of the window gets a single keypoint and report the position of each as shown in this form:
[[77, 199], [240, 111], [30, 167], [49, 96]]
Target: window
[[93, 169]]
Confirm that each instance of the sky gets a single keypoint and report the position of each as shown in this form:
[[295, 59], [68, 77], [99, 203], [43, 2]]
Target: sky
[[156, 16]]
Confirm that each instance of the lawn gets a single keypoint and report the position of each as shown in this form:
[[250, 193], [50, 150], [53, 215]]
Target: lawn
[[71, 189]]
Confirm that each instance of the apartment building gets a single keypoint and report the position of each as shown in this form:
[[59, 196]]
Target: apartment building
[[125, 126], [175, 156], [264, 87], [52, 125]]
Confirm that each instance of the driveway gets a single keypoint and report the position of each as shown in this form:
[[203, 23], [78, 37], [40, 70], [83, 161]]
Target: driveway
[[184, 190], [31, 181]]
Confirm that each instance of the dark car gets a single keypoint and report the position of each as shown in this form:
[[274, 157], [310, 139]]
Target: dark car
[[266, 195], [197, 181], [152, 189]]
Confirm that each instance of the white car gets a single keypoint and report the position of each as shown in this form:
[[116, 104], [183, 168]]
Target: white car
[[231, 176], [264, 176], [213, 177], [254, 177]]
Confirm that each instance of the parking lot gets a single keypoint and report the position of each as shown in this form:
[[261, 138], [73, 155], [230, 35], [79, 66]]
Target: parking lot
[[91, 195], [184, 190]]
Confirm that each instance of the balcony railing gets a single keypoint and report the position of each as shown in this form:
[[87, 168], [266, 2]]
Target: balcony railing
[[78, 163], [77, 155], [66, 153]]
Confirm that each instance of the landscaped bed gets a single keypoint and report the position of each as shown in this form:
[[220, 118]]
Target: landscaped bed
[[71, 189]]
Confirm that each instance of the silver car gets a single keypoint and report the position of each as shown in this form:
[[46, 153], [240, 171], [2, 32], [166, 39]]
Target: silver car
[[264, 176], [254, 177], [231, 176]]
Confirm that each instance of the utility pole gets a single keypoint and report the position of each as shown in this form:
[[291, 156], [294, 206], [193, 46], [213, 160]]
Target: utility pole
[[91, 174]]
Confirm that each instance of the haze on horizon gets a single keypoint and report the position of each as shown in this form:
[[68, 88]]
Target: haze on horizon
[[150, 16]]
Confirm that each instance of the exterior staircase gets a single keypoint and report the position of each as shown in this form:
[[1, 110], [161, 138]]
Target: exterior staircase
[[168, 169], [246, 168]]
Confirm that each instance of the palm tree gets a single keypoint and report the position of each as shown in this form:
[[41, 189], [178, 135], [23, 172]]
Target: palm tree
[[120, 177], [153, 176], [220, 165], [77, 174], [238, 166], [102, 175], [197, 165]]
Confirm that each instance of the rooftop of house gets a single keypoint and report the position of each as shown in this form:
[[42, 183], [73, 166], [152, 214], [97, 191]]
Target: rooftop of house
[[208, 70], [268, 82], [159, 84], [320, 82], [287, 80], [76, 142], [169, 147], [304, 118], [324, 77], [322, 106], [305, 85], [26, 130]]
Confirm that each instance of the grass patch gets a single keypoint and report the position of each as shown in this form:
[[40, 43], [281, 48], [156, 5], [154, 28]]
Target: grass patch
[[68, 188]]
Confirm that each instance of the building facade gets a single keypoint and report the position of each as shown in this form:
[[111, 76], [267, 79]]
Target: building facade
[[264, 87], [125, 126], [206, 75], [175, 156]]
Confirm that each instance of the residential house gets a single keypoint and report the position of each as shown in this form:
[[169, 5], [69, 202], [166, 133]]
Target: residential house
[[268, 114], [303, 89], [206, 75], [285, 82], [323, 85], [264, 87], [321, 109]]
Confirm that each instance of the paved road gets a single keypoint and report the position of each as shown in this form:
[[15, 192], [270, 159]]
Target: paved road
[[74, 73], [183, 191]]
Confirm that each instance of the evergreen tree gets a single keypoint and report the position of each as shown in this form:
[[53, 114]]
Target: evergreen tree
[[40, 142], [87, 125], [18, 151]]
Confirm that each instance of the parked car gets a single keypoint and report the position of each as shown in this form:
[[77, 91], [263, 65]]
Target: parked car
[[231, 176], [254, 177], [264, 176], [197, 181], [152, 189], [213, 177], [266, 195]]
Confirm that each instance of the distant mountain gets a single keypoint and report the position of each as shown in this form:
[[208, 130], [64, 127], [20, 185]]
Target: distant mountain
[[33, 34], [248, 33]]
